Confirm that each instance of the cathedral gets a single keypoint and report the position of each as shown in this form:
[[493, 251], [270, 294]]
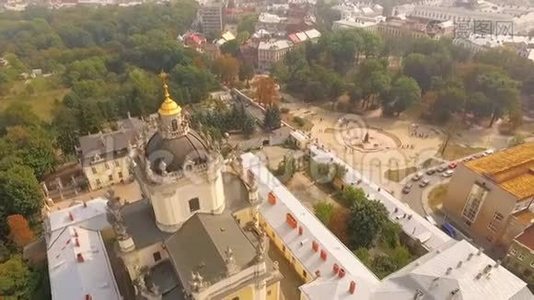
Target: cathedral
[[192, 236]]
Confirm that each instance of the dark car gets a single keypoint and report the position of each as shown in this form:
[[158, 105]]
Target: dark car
[[407, 188]]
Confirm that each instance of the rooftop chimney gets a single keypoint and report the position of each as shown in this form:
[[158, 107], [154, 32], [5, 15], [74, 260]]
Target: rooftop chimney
[[352, 287], [84, 204], [480, 250], [470, 256], [449, 270], [79, 257], [497, 263], [71, 217], [459, 264], [77, 242]]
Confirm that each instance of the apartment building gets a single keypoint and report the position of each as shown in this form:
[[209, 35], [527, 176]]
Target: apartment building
[[270, 52], [212, 17], [520, 256], [490, 198]]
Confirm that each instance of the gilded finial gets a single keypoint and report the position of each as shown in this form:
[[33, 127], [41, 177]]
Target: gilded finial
[[168, 107]]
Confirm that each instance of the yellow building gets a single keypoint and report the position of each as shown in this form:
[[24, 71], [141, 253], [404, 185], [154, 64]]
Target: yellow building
[[490, 198], [104, 156]]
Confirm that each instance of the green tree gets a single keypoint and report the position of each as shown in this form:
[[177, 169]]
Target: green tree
[[383, 265], [34, 146], [246, 72], [272, 119], [17, 114], [351, 195], [231, 48], [323, 211], [14, 277], [403, 93], [20, 192], [366, 222], [247, 24]]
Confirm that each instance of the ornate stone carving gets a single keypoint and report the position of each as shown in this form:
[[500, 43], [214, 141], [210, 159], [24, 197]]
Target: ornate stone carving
[[231, 266]]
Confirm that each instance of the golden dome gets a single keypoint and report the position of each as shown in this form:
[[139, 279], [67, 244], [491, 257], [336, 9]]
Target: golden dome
[[168, 107]]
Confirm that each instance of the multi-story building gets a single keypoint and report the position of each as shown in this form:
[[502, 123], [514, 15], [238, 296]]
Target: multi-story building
[[211, 17], [460, 15], [270, 52], [270, 22], [520, 256], [490, 198], [104, 156]]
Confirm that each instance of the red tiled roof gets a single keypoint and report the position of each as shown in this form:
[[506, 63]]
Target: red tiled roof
[[527, 238]]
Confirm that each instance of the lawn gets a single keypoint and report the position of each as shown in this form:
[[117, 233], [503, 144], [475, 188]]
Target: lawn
[[456, 151], [436, 196], [398, 175], [40, 93]]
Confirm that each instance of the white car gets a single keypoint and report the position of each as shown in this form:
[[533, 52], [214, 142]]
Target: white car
[[447, 173], [417, 176], [424, 182]]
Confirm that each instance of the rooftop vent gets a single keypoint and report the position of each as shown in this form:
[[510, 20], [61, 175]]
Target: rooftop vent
[[480, 250], [470, 256], [418, 294], [79, 258], [459, 265], [449, 270], [497, 263]]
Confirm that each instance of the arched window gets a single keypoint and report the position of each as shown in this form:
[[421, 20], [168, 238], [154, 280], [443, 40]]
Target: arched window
[[174, 125]]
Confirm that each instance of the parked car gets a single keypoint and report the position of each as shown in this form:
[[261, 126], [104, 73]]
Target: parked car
[[488, 152], [442, 168], [430, 171], [417, 176], [447, 173], [453, 165], [424, 182], [407, 188]]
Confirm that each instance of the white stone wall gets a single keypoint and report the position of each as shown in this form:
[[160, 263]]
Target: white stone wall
[[171, 201]]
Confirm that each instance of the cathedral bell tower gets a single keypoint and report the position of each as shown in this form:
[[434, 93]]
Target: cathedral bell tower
[[171, 122]]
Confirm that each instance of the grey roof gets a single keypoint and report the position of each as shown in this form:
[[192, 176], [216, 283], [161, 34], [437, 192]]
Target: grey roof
[[164, 276], [201, 243], [176, 151], [112, 144], [141, 224]]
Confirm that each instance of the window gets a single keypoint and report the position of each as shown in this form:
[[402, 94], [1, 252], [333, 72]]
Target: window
[[268, 292], [235, 298], [157, 256], [194, 205], [304, 274], [520, 256], [110, 177], [107, 166], [120, 175], [98, 182], [513, 252], [94, 170], [116, 163], [495, 222], [174, 125], [474, 200]]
